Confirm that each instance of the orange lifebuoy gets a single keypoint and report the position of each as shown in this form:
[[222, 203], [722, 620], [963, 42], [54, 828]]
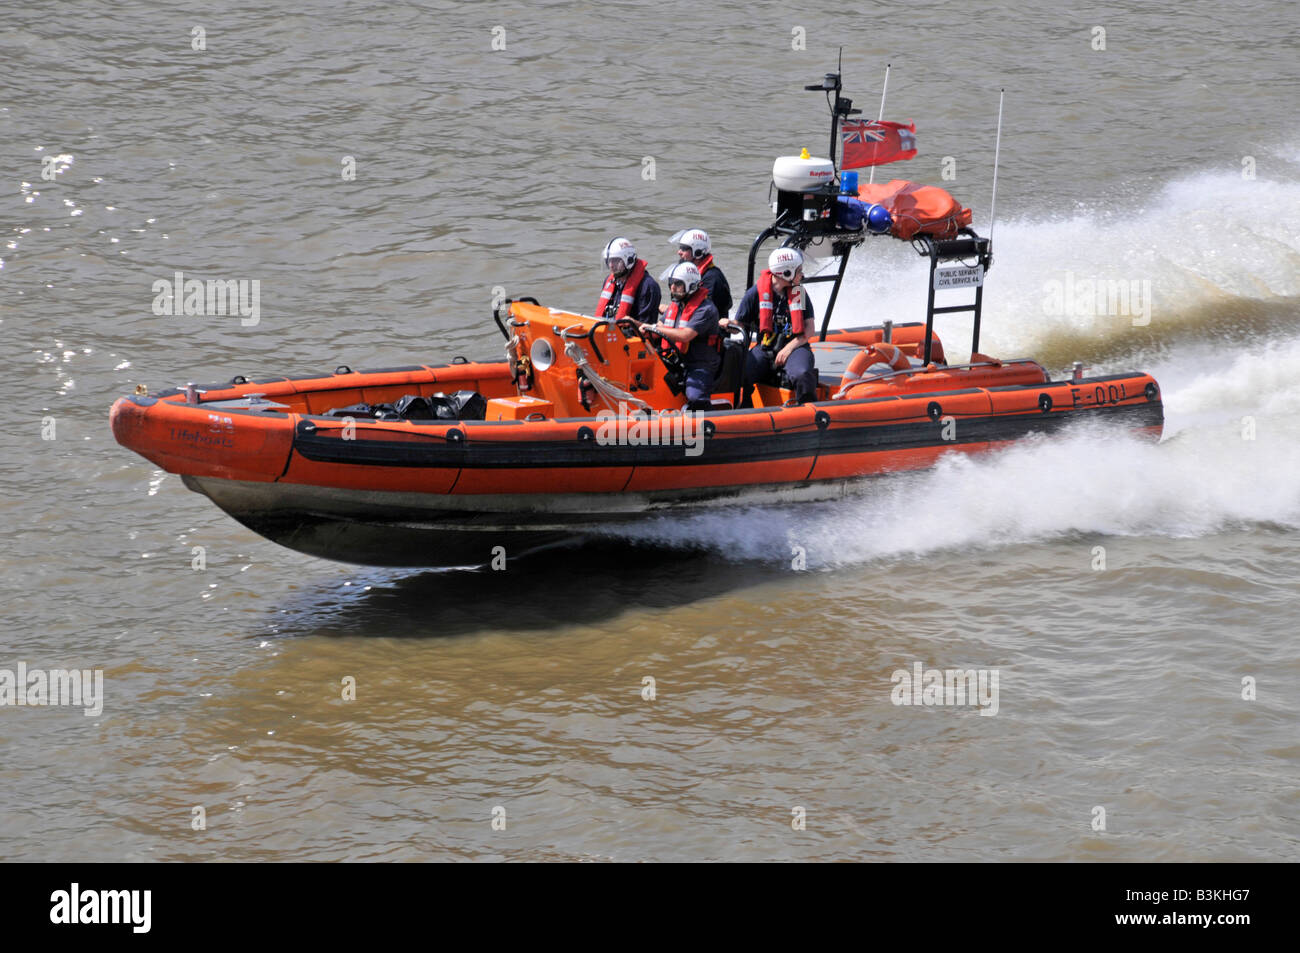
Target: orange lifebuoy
[[880, 353]]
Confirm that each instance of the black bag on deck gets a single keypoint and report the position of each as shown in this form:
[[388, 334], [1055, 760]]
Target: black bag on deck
[[414, 407], [462, 405], [363, 411], [366, 411]]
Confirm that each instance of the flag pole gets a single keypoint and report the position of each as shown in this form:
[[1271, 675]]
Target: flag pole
[[993, 202], [874, 149]]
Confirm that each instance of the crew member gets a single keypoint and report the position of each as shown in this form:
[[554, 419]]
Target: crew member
[[691, 326], [693, 245], [780, 318], [629, 290]]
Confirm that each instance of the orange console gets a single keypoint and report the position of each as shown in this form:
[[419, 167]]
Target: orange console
[[580, 365]]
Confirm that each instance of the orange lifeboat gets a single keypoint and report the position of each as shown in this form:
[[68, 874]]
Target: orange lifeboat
[[582, 423], [597, 436]]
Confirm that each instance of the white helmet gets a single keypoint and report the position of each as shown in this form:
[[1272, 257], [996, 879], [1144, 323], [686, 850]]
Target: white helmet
[[684, 272], [784, 262], [620, 249], [694, 238]]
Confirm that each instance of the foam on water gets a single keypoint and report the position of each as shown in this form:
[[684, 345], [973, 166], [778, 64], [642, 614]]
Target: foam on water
[[1086, 482], [1206, 385], [1229, 458]]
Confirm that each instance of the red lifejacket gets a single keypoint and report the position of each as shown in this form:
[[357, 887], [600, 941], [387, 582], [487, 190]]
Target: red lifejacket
[[679, 315], [705, 264], [626, 300], [767, 306]]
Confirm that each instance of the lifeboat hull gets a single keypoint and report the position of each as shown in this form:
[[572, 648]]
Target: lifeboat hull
[[441, 493]]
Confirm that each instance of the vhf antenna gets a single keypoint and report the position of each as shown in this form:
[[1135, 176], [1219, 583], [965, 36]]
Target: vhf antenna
[[993, 202], [842, 106]]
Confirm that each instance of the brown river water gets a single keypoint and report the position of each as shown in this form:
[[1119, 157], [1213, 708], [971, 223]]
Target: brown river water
[[1136, 602]]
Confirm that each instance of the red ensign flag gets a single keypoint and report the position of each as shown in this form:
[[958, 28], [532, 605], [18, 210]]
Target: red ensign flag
[[866, 142]]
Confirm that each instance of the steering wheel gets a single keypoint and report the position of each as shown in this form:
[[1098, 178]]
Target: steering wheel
[[657, 341], [649, 335]]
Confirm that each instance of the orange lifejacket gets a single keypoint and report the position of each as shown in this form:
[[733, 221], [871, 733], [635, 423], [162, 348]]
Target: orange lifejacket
[[679, 315], [626, 300], [881, 353], [767, 306], [705, 264]]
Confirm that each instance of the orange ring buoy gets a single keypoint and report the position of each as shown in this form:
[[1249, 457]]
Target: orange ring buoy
[[880, 353]]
